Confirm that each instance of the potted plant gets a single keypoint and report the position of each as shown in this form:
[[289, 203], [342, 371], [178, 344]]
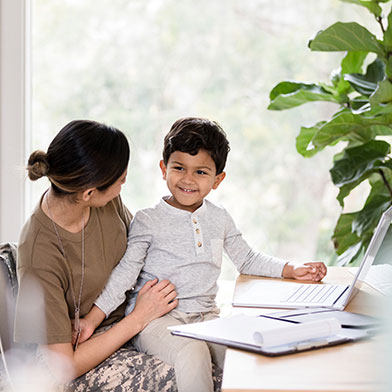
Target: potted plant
[[362, 91]]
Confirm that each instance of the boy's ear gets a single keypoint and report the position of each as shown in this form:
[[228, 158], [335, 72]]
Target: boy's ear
[[218, 179], [163, 169]]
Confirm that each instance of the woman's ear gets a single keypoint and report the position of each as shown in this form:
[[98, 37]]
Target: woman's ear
[[218, 179], [88, 193], [163, 169]]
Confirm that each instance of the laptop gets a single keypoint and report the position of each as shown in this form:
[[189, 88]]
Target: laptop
[[276, 293]]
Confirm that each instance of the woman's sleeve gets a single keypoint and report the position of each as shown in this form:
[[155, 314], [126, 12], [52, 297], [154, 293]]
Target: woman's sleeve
[[41, 312], [123, 211]]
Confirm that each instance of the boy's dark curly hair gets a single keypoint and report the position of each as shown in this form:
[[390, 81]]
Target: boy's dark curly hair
[[191, 134]]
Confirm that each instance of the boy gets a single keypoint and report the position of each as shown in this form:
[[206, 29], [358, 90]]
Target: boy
[[182, 239]]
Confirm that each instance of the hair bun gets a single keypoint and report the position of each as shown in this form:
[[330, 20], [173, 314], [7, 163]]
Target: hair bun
[[37, 165]]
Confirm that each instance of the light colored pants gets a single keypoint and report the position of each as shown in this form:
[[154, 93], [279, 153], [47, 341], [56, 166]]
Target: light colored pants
[[191, 358]]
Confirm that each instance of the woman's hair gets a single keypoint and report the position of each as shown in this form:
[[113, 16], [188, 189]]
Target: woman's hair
[[191, 134], [84, 154]]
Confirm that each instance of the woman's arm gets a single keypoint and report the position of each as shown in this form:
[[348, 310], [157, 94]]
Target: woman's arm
[[154, 300]]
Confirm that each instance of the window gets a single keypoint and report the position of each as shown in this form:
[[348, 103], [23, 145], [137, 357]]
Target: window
[[139, 65]]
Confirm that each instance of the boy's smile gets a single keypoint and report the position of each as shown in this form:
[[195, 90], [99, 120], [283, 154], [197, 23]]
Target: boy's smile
[[190, 178]]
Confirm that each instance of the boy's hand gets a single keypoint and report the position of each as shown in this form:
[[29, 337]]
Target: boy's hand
[[86, 330], [314, 271]]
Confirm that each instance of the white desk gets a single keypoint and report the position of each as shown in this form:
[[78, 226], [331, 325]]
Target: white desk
[[348, 367]]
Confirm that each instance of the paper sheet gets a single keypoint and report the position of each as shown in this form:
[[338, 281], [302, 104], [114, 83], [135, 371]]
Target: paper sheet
[[298, 332], [243, 328]]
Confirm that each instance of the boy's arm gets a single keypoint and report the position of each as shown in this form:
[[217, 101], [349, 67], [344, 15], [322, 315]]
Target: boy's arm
[[124, 275], [250, 262]]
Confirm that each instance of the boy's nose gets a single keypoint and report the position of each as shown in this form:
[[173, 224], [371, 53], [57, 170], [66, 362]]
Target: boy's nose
[[188, 177]]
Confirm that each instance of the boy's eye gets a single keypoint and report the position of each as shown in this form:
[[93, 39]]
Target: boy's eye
[[178, 168], [201, 172]]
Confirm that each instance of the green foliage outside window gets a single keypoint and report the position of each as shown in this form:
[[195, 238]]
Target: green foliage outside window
[[362, 90]]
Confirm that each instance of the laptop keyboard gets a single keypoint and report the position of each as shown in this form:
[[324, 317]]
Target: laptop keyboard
[[313, 293]]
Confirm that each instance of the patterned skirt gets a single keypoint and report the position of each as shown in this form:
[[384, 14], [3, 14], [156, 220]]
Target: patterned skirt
[[129, 370]]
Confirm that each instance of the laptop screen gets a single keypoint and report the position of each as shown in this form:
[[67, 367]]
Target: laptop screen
[[384, 254], [381, 240]]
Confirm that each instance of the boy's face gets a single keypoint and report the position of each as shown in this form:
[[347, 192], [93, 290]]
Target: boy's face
[[190, 178]]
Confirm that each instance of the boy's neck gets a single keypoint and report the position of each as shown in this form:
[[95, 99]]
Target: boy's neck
[[170, 200]]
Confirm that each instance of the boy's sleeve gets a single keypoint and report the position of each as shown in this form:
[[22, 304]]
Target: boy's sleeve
[[246, 260], [124, 275]]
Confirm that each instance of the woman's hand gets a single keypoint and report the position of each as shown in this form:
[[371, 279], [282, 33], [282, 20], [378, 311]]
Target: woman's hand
[[314, 271], [154, 300]]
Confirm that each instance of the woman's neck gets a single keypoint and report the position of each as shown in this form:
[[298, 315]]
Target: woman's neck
[[65, 213]]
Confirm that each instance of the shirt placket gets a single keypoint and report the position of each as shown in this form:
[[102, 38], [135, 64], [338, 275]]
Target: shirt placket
[[197, 234]]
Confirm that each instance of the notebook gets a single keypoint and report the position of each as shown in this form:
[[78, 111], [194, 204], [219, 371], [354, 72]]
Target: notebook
[[276, 293], [271, 336]]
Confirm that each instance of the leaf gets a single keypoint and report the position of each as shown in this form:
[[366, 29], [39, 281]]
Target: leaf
[[347, 125], [357, 161], [343, 236], [350, 255], [388, 34], [375, 71], [373, 7], [378, 201], [351, 37], [382, 94], [388, 68], [356, 165], [367, 84], [304, 140], [286, 95], [359, 83], [352, 62], [344, 125]]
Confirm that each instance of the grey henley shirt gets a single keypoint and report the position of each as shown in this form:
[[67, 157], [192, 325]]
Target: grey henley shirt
[[187, 249]]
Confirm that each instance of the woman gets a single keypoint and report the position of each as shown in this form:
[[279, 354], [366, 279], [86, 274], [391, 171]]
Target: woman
[[70, 244]]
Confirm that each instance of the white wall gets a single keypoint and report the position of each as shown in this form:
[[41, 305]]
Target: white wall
[[14, 93]]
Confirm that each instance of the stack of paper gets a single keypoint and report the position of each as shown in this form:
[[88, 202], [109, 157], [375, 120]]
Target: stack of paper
[[263, 334]]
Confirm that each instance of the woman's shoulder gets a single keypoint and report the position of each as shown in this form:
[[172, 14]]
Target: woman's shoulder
[[116, 208]]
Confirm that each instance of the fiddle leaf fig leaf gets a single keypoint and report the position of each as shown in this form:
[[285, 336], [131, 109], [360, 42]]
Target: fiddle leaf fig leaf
[[375, 71], [286, 95], [352, 62], [350, 255], [343, 236], [388, 34], [351, 37], [345, 125], [304, 140], [372, 6], [367, 84], [378, 201], [357, 164], [359, 83], [357, 161], [382, 94]]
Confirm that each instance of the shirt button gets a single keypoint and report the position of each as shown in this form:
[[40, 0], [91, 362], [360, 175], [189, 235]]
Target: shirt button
[[194, 220], [197, 231], [199, 244]]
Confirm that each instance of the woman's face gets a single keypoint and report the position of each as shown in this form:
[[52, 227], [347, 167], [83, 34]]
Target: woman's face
[[101, 198]]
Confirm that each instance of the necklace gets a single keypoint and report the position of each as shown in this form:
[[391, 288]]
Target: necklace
[[76, 326]]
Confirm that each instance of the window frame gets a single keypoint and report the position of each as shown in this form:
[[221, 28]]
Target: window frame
[[15, 109]]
